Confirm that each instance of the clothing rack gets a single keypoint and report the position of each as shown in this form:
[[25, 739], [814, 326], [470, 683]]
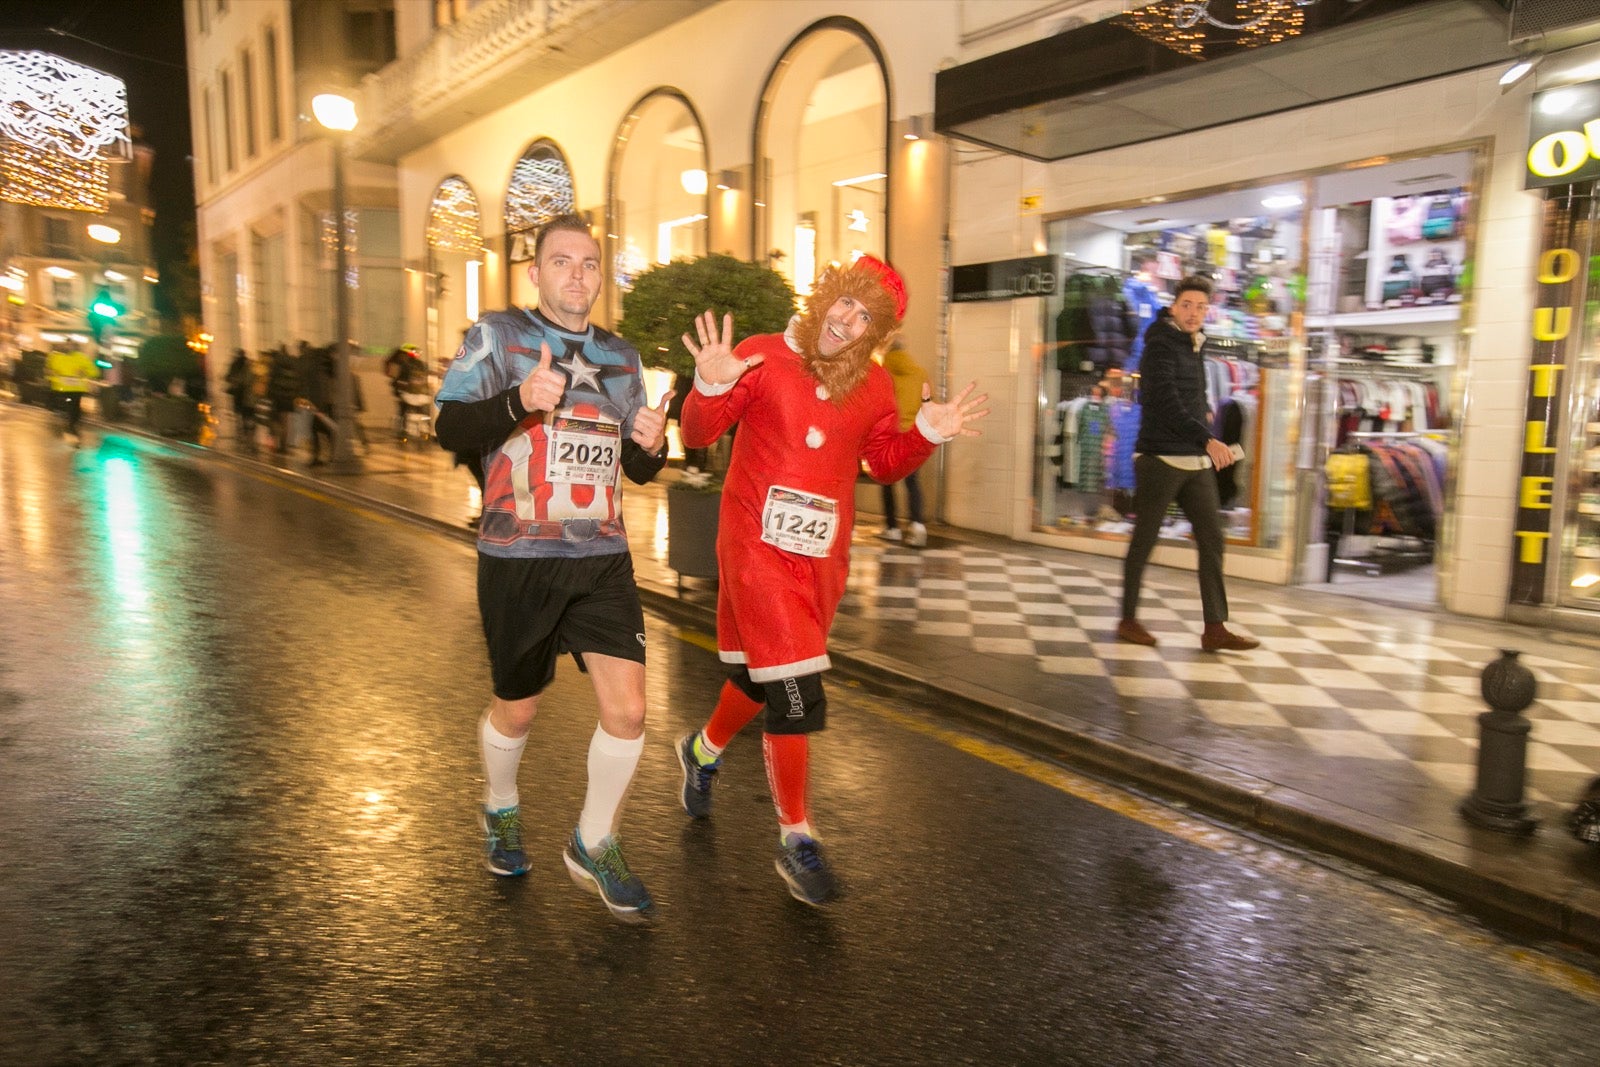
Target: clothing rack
[[1360, 368], [1393, 550], [1396, 435]]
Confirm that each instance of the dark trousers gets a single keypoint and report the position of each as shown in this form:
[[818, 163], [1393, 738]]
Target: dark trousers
[[913, 500], [1157, 484], [71, 405]]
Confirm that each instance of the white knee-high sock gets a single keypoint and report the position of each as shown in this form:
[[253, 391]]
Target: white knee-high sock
[[612, 761], [501, 757]]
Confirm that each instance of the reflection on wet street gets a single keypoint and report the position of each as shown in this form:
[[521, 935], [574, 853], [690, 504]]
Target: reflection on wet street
[[237, 730]]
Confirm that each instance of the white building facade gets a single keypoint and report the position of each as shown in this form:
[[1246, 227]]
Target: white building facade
[[264, 174], [1362, 203]]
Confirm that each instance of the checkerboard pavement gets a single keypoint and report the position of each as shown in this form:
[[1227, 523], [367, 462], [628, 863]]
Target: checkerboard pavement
[[1363, 688]]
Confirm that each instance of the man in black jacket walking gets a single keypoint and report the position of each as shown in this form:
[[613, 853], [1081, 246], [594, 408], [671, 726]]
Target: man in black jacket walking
[[1176, 459]]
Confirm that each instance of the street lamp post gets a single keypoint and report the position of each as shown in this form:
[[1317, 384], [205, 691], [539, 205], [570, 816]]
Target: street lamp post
[[338, 114]]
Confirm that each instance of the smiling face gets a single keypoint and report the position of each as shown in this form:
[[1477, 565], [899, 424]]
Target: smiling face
[[842, 324], [567, 273]]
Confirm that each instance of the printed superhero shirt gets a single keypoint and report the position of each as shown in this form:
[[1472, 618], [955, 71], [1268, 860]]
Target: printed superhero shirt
[[552, 489]]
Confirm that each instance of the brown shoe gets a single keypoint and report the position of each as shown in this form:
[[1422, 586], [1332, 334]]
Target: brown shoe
[[1131, 631], [1218, 638]]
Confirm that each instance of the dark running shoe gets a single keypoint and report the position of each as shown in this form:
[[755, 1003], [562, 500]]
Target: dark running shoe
[[607, 874], [802, 866], [503, 829], [697, 778]]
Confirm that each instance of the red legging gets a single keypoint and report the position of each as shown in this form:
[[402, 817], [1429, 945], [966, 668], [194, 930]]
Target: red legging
[[787, 755]]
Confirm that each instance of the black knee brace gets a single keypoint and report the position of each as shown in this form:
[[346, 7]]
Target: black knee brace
[[796, 705]]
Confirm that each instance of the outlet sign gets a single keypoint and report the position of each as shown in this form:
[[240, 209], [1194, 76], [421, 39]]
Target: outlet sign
[[1564, 136]]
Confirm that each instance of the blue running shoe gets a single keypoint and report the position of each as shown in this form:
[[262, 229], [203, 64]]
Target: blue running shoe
[[607, 874], [697, 778], [503, 829], [802, 866]]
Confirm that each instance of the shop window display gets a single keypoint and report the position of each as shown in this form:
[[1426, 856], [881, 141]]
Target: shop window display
[[1580, 574], [1383, 320], [1334, 329], [1120, 268]]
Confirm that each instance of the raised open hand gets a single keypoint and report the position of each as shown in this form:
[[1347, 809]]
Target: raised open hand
[[713, 356], [542, 389], [951, 419], [650, 425]]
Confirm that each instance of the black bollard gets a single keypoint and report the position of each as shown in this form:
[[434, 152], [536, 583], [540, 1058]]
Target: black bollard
[[1496, 803]]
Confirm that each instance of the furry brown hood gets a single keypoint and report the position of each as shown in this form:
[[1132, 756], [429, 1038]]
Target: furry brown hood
[[846, 369]]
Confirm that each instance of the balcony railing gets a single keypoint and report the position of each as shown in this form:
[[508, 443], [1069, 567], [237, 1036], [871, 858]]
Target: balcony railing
[[501, 50]]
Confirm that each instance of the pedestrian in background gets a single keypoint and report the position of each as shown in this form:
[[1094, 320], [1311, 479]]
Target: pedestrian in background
[[316, 381], [283, 388], [241, 380], [909, 378], [811, 405], [70, 373], [557, 406], [1176, 459]]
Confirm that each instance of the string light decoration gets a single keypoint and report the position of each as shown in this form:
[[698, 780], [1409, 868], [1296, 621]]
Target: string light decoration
[[30, 175], [60, 125], [330, 250], [541, 189], [1189, 27], [454, 220]]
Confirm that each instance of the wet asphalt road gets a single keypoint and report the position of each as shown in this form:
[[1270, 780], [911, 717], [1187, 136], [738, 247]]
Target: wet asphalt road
[[239, 771]]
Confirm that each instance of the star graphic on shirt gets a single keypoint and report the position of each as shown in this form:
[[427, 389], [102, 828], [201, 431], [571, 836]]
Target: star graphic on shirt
[[580, 371]]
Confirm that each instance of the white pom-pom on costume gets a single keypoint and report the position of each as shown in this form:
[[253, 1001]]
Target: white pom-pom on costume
[[822, 392], [814, 438]]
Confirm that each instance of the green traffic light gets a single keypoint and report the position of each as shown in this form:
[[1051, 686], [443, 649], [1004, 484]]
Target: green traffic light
[[105, 309]]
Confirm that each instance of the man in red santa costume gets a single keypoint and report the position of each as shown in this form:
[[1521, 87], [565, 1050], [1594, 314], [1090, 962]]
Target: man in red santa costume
[[810, 405]]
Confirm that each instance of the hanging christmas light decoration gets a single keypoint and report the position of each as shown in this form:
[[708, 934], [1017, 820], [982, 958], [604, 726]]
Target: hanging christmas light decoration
[[541, 189], [330, 250], [60, 124], [1190, 27], [30, 175], [454, 221]]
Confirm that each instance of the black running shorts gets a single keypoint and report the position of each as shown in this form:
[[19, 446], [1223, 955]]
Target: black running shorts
[[535, 609]]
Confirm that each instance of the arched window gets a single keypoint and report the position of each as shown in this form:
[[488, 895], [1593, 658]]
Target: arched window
[[541, 188], [658, 204], [455, 264], [822, 152]]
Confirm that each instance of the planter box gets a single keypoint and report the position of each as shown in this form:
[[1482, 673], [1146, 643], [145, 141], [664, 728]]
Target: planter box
[[692, 532], [172, 416]]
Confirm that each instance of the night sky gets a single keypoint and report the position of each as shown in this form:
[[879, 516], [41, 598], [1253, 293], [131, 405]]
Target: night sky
[[141, 42]]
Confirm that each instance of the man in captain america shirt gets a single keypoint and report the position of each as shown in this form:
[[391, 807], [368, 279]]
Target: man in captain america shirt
[[810, 405], [557, 408]]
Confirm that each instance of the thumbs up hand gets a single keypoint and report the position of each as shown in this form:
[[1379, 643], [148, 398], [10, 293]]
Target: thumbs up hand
[[542, 389], [650, 425]]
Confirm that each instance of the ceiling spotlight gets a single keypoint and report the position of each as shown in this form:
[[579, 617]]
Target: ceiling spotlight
[[1279, 203]]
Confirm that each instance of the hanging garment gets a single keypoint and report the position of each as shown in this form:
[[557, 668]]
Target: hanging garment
[[1349, 480]]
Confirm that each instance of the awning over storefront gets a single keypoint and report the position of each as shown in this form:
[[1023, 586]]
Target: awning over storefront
[[1149, 73]]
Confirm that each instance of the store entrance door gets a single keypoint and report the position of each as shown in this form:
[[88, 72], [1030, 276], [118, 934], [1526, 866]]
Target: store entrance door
[[1387, 272]]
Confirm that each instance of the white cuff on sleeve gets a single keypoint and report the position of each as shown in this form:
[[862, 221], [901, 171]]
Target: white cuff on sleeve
[[928, 431], [703, 386]]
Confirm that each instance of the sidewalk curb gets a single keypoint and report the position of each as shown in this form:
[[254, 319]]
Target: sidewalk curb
[[1242, 799], [1498, 888]]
